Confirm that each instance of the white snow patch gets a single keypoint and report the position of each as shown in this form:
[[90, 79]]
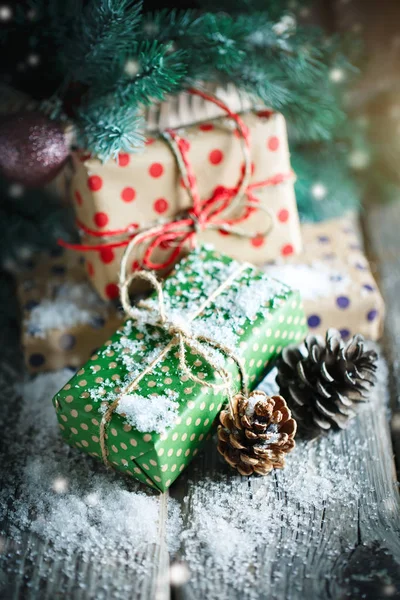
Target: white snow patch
[[252, 401], [252, 298], [154, 413], [313, 281], [68, 499], [72, 305]]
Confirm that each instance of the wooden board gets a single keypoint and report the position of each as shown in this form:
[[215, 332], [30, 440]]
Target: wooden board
[[329, 523], [381, 229]]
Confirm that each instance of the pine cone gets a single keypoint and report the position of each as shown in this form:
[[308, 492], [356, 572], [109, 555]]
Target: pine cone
[[256, 433], [323, 384]]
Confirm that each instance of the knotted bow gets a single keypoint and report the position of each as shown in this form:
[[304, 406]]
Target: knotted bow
[[181, 336]]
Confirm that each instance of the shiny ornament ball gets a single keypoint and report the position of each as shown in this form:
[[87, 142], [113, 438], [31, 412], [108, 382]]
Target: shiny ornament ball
[[33, 149]]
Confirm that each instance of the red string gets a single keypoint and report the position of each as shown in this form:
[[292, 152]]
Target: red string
[[106, 233], [175, 234]]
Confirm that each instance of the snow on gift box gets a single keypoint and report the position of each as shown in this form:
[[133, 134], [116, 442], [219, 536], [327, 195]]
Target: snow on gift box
[[64, 320], [114, 199], [136, 407], [334, 279]]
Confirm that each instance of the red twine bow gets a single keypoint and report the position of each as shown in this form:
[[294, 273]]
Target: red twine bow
[[203, 214]]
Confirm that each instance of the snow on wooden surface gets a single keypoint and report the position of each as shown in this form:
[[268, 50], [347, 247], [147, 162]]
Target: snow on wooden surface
[[325, 527]]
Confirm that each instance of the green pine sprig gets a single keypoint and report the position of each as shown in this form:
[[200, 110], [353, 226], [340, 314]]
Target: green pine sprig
[[106, 131], [118, 60], [102, 30], [147, 74]]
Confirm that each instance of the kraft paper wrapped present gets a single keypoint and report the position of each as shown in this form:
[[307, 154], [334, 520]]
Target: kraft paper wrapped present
[[335, 280], [155, 415], [64, 320], [138, 190]]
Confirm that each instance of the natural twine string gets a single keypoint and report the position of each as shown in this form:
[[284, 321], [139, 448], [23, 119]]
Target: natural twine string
[[181, 337]]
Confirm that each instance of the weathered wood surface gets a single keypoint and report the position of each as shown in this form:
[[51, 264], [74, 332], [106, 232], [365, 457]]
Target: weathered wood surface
[[330, 522], [382, 234]]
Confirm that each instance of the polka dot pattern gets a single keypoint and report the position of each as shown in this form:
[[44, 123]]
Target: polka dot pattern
[[37, 360], [112, 291], [123, 159], [160, 206], [343, 302], [273, 143], [283, 215], [156, 170], [258, 241], [107, 256], [287, 250], [100, 219], [128, 194], [314, 321], [215, 157], [95, 183]]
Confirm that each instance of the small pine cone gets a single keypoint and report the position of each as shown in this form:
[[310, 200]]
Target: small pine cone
[[256, 432], [324, 383]]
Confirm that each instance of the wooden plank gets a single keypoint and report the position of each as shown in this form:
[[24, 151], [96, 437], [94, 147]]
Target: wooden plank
[[30, 570], [381, 230]]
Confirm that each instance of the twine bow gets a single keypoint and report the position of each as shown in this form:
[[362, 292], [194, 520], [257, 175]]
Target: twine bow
[[182, 336], [224, 211]]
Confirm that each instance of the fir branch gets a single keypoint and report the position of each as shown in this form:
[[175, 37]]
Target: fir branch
[[297, 52], [313, 114], [223, 40], [108, 130], [269, 88], [122, 60], [150, 72], [212, 43], [170, 25], [103, 30]]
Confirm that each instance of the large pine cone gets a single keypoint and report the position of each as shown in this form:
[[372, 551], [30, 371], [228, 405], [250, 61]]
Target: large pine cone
[[324, 383], [256, 433]]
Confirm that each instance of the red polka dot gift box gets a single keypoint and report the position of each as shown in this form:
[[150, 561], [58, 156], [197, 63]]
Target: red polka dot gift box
[[64, 319], [334, 279], [136, 191]]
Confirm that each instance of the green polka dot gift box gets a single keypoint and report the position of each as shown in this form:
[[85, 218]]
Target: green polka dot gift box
[[137, 407]]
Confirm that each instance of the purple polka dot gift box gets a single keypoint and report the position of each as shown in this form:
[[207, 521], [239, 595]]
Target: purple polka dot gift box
[[334, 279], [64, 320]]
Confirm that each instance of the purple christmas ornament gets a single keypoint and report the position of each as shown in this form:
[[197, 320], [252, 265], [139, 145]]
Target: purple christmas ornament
[[33, 149]]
